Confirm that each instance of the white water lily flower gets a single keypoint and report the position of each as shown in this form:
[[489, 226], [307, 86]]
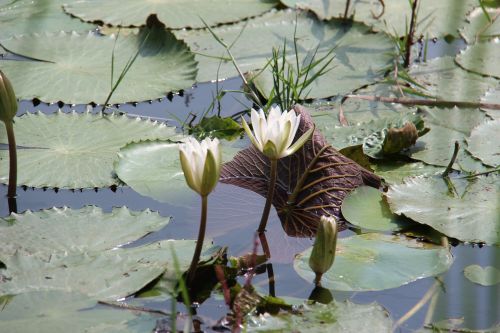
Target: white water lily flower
[[274, 136], [201, 163]]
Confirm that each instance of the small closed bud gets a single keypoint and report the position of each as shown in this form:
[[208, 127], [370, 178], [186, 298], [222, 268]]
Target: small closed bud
[[323, 252], [8, 102]]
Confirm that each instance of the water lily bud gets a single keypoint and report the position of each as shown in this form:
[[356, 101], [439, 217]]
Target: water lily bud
[[323, 252], [273, 136], [8, 102], [201, 163]]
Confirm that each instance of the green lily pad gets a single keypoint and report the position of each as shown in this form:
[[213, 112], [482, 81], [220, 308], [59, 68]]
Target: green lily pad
[[481, 58], [73, 150], [153, 169], [479, 28], [455, 325], [315, 318], [376, 262], [472, 214], [395, 172], [174, 14], [33, 16], [366, 208], [442, 78], [359, 55], [447, 126], [56, 311], [63, 230], [76, 68], [484, 142], [435, 19], [88, 266], [485, 276], [492, 96]]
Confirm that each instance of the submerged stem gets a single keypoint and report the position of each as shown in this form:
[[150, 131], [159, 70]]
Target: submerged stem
[[269, 198], [11, 193], [199, 242]]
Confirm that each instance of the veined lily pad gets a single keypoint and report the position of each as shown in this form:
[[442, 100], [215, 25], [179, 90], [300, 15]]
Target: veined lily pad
[[443, 79], [359, 55], [88, 266], [447, 126], [56, 311], [30, 16], [394, 172], [173, 13], [73, 150], [472, 214], [334, 317], [481, 58], [479, 28], [485, 276], [484, 142], [435, 19], [76, 68], [366, 208], [492, 96], [153, 169], [377, 262]]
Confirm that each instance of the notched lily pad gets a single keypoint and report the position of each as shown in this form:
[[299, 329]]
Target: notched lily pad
[[376, 262], [481, 58], [480, 27], [467, 211], [74, 150], [484, 142]]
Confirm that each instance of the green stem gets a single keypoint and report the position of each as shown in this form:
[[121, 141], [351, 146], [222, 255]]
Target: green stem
[[199, 242], [270, 195], [11, 193]]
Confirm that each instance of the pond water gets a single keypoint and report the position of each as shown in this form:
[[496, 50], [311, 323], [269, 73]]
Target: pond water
[[232, 220]]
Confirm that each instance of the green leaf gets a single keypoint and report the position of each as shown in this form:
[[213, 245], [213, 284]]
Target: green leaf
[[443, 79], [217, 127], [447, 126], [481, 58], [56, 311], [435, 19], [479, 27], [485, 276], [366, 208], [359, 56], [483, 142], [469, 212], [77, 67], [73, 150], [153, 169], [395, 171], [174, 14], [492, 96], [376, 262], [34, 16], [316, 318]]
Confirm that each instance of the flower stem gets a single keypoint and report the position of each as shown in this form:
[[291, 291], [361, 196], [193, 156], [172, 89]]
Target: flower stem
[[270, 195], [11, 193], [199, 242]]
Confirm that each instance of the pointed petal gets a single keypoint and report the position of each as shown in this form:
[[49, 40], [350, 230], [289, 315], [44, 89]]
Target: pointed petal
[[211, 174], [270, 150], [250, 134], [300, 142], [188, 173]]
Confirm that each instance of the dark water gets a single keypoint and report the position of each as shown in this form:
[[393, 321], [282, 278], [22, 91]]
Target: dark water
[[234, 214]]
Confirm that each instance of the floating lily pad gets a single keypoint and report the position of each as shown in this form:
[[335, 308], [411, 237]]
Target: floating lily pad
[[472, 214], [359, 55], [485, 276], [56, 311], [395, 172], [484, 142], [88, 266], [455, 325], [334, 317], [30, 16], [481, 58], [376, 262], [366, 208], [443, 79], [479, 27], [447, 126], [153, 169], [174, 14], [493, 97], [435, 19], [63, 230], [76, 68], [73, 150]]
